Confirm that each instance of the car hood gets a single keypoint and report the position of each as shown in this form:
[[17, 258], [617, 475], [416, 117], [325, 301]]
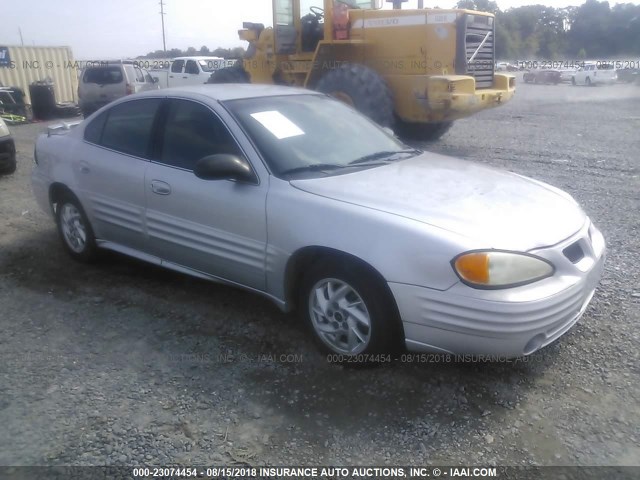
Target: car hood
[[496, 208]]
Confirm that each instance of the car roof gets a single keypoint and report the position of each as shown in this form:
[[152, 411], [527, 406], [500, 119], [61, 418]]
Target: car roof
[[228, 91]]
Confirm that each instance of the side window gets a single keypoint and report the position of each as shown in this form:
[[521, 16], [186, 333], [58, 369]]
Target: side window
[[139, 75], [93, 131], [192, 131], [128, 126], [191, 67], [131, 74], [176, 66]]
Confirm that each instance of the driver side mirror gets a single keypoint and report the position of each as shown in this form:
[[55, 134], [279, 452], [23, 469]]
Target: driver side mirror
[[224, 166]]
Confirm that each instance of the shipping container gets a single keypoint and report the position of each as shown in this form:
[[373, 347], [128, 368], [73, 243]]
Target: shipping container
[[22, 65]]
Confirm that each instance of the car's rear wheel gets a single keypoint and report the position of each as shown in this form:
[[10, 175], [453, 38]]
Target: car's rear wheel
[[75, 230], [348, 310], [9, 169]]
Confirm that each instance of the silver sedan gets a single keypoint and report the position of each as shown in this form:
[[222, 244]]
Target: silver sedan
[[299, 198]]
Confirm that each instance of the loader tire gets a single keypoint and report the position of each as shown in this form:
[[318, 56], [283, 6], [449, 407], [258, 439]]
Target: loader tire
[[362, 88], [235, 74], [424, 132]]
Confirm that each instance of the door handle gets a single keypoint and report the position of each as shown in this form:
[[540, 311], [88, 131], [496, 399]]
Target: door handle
[[185, 77], [161, 188]]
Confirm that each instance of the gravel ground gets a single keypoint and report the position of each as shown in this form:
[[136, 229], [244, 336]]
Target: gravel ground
[[121, 363]]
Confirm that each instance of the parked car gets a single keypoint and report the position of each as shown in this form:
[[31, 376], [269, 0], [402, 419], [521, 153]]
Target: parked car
[[104, 82], [185, 71], [296, 196], [595, 73], [566, 74], [506, 67], [542, 76], [628, 75], [8, 162]]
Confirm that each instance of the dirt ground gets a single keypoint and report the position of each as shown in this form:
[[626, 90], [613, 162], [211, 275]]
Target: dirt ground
[[121, 363]]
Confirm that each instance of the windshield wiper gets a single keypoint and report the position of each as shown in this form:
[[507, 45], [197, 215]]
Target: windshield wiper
[[385, 154], [314, 167]]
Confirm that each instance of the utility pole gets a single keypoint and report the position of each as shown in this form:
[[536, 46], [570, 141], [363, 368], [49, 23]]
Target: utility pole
[[420, 4], [162, 14], [21, 40]]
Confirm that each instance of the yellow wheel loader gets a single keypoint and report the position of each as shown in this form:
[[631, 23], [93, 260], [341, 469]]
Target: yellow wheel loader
[[415, 71]]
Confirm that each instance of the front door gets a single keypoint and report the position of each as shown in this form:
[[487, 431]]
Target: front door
[[215, 227]]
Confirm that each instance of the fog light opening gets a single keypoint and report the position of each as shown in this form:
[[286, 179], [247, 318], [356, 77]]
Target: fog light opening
[[534, 344]]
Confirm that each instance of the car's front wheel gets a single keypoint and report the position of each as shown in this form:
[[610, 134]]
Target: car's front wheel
[[348, 310], [75, 230]]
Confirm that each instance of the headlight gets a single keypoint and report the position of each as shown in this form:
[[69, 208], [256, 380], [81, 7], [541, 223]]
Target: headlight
[[4, 130], [496, 269]]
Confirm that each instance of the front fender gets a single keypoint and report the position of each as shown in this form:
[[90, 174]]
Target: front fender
[[402, 250]]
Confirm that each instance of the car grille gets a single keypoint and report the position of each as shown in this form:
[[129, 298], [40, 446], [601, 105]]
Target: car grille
[[479, 56]]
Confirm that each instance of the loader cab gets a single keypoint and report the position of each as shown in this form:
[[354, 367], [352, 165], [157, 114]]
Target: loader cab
[[300, 25]]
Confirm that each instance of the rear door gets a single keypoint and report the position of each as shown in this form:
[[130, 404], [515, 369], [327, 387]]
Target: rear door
[[192, 74], [216, 227], [176, 73], [140, 82], [111, 169]]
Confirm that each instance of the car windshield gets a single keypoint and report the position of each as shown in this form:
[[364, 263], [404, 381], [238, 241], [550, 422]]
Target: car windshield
[[314, 135]]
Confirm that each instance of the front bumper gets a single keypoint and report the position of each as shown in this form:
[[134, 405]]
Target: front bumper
[[443, 98], [503, 323], [7, 153]]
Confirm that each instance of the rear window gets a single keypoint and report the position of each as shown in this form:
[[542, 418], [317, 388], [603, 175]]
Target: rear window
[[103, 75]]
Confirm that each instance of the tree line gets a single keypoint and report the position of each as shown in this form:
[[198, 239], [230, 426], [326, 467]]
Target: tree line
[[230, 53], [591, 30]]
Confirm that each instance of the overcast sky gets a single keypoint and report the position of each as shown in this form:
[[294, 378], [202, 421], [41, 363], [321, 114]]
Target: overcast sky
[[126, 28]]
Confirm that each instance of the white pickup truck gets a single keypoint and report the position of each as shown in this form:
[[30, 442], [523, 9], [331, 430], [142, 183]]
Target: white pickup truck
[[595, 73], [188, 71]]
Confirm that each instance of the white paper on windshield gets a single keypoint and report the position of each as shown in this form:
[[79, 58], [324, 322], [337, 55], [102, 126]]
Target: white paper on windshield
[[278, 124]]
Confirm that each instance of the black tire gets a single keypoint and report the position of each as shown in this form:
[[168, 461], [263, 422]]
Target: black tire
[[384, 332], [361, 87], [89, 251], [424, 132], [235, 74], [10, 169]]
